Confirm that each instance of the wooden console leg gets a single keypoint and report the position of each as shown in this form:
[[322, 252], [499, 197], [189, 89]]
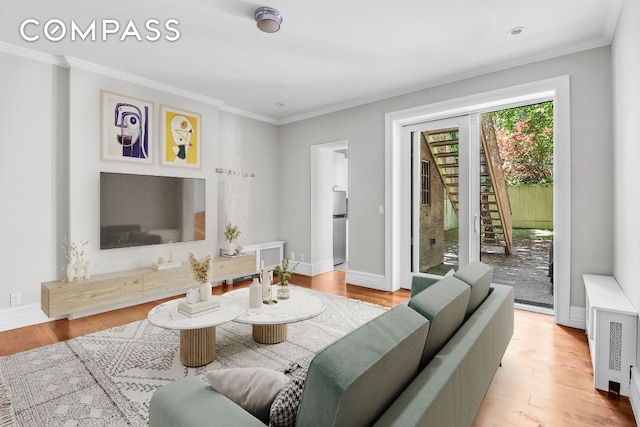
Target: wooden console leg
[[197, 346]]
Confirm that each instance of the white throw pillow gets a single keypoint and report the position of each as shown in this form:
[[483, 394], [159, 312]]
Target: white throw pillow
[[254, 389], [450, 273]]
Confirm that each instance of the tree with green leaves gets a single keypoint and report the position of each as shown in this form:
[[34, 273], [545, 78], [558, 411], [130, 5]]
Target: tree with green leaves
[[525, 142]]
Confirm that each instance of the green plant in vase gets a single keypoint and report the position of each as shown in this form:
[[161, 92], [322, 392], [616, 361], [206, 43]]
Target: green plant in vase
[[231, 234], [284, 274]]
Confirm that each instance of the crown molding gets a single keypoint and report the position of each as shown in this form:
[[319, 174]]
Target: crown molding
[[110, 72], [69, 61], [244, 113], [453, 78], [32, 54]]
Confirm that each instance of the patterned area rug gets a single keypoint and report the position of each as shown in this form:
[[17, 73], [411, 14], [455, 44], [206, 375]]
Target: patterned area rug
[[107, 378]]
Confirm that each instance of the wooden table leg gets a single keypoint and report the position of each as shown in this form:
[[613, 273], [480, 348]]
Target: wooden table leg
[[270, 334], [197, 346]]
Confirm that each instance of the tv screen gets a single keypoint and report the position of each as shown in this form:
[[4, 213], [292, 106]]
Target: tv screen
[[137, 210]]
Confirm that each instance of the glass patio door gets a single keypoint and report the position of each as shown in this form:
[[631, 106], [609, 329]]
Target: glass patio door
[[443, 230]]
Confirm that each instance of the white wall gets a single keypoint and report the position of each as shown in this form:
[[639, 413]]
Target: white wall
[[363, 126], [228, 141], [626, 110], [33, 169], [251, 146], [49, 174], [85, 167]]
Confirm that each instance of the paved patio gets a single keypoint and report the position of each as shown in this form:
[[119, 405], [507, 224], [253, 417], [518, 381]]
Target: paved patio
[[526, 269]]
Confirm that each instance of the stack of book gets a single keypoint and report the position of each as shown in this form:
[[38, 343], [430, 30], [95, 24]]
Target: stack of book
[[199, 308]]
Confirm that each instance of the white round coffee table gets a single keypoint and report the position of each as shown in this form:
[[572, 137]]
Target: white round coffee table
[[197, 334], [269, 322]]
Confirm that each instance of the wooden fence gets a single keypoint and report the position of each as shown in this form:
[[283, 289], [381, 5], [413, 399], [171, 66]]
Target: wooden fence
[[531, 207]]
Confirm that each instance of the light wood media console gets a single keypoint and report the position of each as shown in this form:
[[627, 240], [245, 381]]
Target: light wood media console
[[110, 289]]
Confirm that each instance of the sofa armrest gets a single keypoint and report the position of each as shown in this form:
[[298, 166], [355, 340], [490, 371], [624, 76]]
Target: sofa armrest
[[192, 402]]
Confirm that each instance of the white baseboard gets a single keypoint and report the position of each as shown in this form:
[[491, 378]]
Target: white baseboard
[[307, 269], [634, 393], [303, 268], [368, 280], [322, 267], [577, 317], [21, 316]]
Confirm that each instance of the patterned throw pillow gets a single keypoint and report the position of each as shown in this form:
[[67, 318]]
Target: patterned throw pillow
[[285, 406]]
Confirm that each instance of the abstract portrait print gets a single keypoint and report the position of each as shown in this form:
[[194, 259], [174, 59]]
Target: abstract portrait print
[[181, 135], [126, 128]]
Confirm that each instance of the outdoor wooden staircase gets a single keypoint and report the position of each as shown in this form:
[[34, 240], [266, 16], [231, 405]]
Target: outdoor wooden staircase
[[495, 210], [444, 148]]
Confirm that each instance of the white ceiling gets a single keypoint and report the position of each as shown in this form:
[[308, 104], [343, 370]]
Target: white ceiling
[[328, 54]]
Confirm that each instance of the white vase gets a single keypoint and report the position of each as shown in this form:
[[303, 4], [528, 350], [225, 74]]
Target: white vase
[[266, 277], [255, 294], [78, 271], [193, 296], [205, 291]]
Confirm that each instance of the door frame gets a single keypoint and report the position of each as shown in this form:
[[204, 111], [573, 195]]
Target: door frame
[[556, 89], [469, 189], [321, 259]]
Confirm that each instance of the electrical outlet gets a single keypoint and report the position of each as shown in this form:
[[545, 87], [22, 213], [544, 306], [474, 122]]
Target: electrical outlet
[[293, 256], [15, 298], [302, 257]]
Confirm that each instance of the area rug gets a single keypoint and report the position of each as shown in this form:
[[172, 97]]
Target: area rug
[[108, 378]]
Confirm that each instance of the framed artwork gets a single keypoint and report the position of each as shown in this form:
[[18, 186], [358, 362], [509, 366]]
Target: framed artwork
[[127, 125], [181, 144]]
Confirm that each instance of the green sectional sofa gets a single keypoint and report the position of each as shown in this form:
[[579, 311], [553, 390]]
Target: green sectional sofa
[[425, 363]]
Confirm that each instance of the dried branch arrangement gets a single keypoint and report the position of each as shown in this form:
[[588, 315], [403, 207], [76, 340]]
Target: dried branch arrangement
[[201, 269]]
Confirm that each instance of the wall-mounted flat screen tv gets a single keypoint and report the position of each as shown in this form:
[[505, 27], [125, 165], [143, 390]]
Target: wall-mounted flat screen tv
[[138, 210]]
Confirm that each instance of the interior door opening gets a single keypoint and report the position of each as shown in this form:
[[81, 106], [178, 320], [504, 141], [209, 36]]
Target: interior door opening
[[329, 215]]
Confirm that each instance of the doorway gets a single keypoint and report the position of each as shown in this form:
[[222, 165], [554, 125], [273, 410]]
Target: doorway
[[329, 207], [461, 192], [398, 248], [444, 192], [523, 139]]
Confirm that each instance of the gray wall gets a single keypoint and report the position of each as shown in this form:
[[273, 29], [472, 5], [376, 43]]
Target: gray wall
[[36, 102], [49, 174], [626, 94], [251, 146], [363, 127], [33, 174]]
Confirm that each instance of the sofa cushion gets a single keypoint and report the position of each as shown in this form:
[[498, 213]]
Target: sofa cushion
[[444, 303], [477, 275], [285, 406], [420, 283], [353, 381], [254, 389]]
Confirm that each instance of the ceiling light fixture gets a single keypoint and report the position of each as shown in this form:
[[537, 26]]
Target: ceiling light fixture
[[268, 19], [516, 31]]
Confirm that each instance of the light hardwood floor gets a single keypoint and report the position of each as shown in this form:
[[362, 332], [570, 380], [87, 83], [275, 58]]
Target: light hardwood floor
[[546, 377]]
